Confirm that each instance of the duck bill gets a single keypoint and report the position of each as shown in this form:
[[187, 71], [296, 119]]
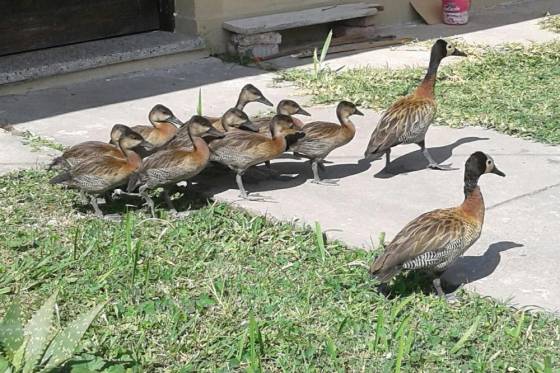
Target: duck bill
[[303, 112], [174, 120], [358, 112], [457, 52], [498, 172], [263, 100], [215, 133], [249, 126]]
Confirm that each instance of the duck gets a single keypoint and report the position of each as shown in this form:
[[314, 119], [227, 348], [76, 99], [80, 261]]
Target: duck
[[240, 150], [321, 138], [100, 174], [434, 240], [86, 150], [249, 93], [163, 128], [170, 166], [407, 120], [233, 119], [286, 107]]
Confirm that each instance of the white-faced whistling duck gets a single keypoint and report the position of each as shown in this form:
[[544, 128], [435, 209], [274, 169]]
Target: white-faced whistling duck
[[321, 138], [163, 128], [435, 239], [90, 149], [408, 119], [249, 93], [240, 150], [170, 166], [286, 107], [103, 173]]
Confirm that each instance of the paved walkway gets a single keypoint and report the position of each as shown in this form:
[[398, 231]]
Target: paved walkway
[[516, 258]]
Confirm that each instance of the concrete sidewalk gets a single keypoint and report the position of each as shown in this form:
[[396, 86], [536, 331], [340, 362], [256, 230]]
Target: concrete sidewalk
[[516, 257]]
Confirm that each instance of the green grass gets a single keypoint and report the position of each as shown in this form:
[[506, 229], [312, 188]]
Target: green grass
[[551, 23], [512, 89], [223, 290]]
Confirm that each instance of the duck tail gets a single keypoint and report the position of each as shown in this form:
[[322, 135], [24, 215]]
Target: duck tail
[[383, 273], [134, 181], [58, 163], [61, 178]]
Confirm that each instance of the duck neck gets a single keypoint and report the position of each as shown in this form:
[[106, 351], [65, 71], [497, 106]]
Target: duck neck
[[345, 121], [241, 102], [195, 144], [473, 205], [131, 156], [426, 88]]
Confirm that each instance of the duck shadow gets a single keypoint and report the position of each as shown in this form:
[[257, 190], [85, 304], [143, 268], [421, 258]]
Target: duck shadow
[[415, 161], [465, 270], [291, 174]]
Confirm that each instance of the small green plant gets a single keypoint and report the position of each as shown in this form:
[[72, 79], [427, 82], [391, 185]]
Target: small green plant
[[35, 347], [551, 23], [318, 61], [37, 142], [199, 102]]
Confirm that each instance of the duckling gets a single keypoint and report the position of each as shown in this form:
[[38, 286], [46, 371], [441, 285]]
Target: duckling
[[232, 119], [435, 239], [169, 166], [83, 151], [321, 138], [102, 173], [408, 119], [240, 150], [249, 93], [286, 107], [163, 126]]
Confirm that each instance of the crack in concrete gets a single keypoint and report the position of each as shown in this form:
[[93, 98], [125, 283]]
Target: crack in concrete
[[529, 194]]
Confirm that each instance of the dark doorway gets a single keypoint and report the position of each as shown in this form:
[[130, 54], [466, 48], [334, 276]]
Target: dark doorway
[[35, 24]]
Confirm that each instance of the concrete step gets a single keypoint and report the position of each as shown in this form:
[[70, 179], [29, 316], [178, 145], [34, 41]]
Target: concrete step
[[107, 57]]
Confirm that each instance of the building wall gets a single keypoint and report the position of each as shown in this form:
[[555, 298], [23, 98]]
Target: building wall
[[205, 17]]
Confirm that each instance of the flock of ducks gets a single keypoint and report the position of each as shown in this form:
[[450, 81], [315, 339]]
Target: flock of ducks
[[168, 152]]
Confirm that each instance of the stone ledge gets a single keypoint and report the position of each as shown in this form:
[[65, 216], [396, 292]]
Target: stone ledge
[[83, 56]]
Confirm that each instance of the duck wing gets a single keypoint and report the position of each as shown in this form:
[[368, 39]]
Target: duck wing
[[428, 241], [320, 139], [144, 131], [240, 149], [406, 119]]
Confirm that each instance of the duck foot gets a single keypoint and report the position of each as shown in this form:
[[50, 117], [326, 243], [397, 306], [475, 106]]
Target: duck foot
[[255, 197], [179, 215], [117, 218], [442, 167], [332, 182], [451, 298]]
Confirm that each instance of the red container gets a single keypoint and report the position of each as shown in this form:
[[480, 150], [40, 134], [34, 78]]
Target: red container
[[456, 12]]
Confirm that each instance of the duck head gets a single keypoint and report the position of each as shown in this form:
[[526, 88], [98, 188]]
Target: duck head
[[283, 125], [235, 118], [345, 109], [131, 139], [290, 107], [117, 132], [442, 49], [250, 93], [162, 114], [199, 126], [480, 163]]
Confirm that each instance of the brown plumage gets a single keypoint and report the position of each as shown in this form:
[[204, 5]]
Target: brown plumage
[[408, 119], [249, 93], [163, 126], [87, 150], [435, 239], [100, 174], [240, 150], [285, 107], [169, 166], [321, 138], [232, 119]]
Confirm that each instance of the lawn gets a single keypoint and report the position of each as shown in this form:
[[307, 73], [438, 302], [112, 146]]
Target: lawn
[[513, 89], [223, 290]]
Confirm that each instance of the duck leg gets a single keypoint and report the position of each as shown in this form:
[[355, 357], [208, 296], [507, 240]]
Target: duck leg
[[168, 201], [431, 163], [93, 201], [149, 201], [387, 158], [84, 198], [450, 298], [317, 179], [243, 193]]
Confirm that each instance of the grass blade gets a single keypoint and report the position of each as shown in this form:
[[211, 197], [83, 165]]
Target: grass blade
[[199, 102], [325, 49], [403, 342], [320, 240], [461, 342]]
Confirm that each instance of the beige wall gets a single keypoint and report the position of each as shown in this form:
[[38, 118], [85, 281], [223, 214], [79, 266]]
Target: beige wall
[[205, 17]]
